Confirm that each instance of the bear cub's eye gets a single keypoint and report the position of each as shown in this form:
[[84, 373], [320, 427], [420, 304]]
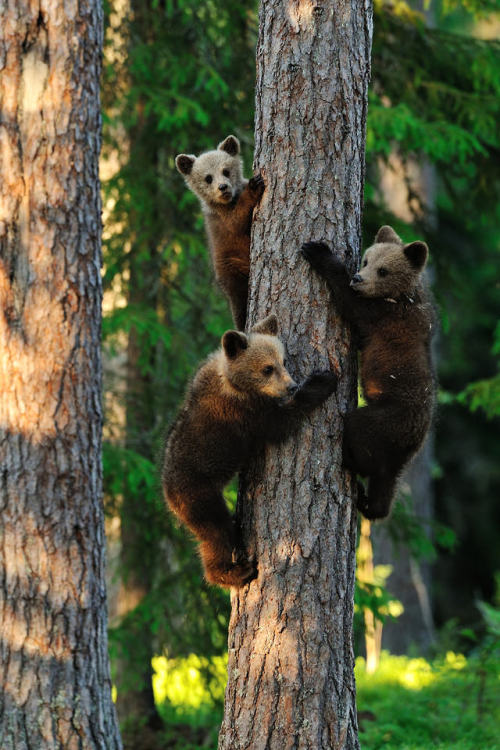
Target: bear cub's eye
[[225, 172], [268, 370], [382, 271], [365, 263], [208, 179]]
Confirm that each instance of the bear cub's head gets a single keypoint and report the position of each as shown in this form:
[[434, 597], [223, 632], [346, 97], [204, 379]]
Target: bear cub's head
[[216, 177], [390, 268], [254, 363]]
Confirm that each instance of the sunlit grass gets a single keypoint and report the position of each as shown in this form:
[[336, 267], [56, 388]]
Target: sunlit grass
[[418, 705], [190, 683], [415, 704]]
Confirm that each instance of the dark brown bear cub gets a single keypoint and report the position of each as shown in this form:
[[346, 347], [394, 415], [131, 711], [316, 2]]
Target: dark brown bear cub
[[241, 398], [228, 201], [391, 314]]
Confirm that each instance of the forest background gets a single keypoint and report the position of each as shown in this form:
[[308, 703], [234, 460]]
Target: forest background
[[178, 77]]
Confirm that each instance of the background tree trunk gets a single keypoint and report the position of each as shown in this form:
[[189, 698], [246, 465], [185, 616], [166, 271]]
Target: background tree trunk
[[56, 689], [135, 699], [291, 681], [410, 580]]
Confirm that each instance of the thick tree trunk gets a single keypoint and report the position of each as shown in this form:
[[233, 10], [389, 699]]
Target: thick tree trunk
[[291, 681], [56, 690]]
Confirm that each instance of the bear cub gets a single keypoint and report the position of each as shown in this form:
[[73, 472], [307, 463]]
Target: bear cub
[[241, 398], [392, 317], [227, 201]]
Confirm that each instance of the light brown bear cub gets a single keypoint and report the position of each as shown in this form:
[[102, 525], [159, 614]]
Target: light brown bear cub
[[241, 398], [227, 200], [392, 317]]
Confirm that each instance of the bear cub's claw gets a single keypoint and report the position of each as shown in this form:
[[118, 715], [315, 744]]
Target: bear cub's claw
[[256, 184]]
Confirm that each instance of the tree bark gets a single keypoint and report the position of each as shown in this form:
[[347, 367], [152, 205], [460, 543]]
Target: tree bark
[[56, 689], [291, 680]]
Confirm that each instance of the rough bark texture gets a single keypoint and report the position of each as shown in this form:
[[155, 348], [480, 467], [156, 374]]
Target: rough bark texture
[[291, 682], [54, 671]]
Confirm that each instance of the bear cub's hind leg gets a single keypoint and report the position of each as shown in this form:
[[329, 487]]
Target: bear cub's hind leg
[[369, 451], [224, 561]]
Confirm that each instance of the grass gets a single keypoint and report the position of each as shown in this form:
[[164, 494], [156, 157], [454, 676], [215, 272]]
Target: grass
[[408, 704], [420, 705]]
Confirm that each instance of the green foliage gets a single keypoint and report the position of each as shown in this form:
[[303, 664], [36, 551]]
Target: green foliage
[[439, 99], [408, 704], [194, 682], [375, 597], [441, 141], [127, 472], [178, 77], [421, 536], [435, 97], [173, 81], [476, 8], [418, 705], [483, 394]]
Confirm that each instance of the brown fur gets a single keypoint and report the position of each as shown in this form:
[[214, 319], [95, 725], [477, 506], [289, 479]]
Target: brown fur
[[391, 314], [233, 407], [227, 201]]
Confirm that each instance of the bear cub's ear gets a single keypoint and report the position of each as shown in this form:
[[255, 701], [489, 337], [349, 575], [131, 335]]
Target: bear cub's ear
[[184, 163], [387, 234], [268, 325], [417, 253], [230, 145], [233, 343]]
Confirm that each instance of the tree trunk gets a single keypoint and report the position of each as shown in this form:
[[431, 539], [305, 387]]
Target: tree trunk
[[291, 680], [56, 689], [410, 580], [373, 626], [134, 672]]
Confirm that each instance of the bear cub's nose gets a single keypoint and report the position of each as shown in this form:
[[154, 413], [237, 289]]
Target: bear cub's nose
[[356, 279], [292, 388], [223, 187]]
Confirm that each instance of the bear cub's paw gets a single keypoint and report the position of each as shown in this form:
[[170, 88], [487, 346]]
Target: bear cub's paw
[[315, 251], [321, 257], [256, 184], [362, 503], [233, 576], [371, 511], [323, 381], [317, 388]]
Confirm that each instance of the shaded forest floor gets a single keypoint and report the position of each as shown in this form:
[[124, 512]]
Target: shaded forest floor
[[450, 703]]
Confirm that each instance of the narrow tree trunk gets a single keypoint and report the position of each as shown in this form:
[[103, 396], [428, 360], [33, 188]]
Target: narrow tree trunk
[[373, 627], [291, 681], [134, 672], [56, 690], [410, 580]]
